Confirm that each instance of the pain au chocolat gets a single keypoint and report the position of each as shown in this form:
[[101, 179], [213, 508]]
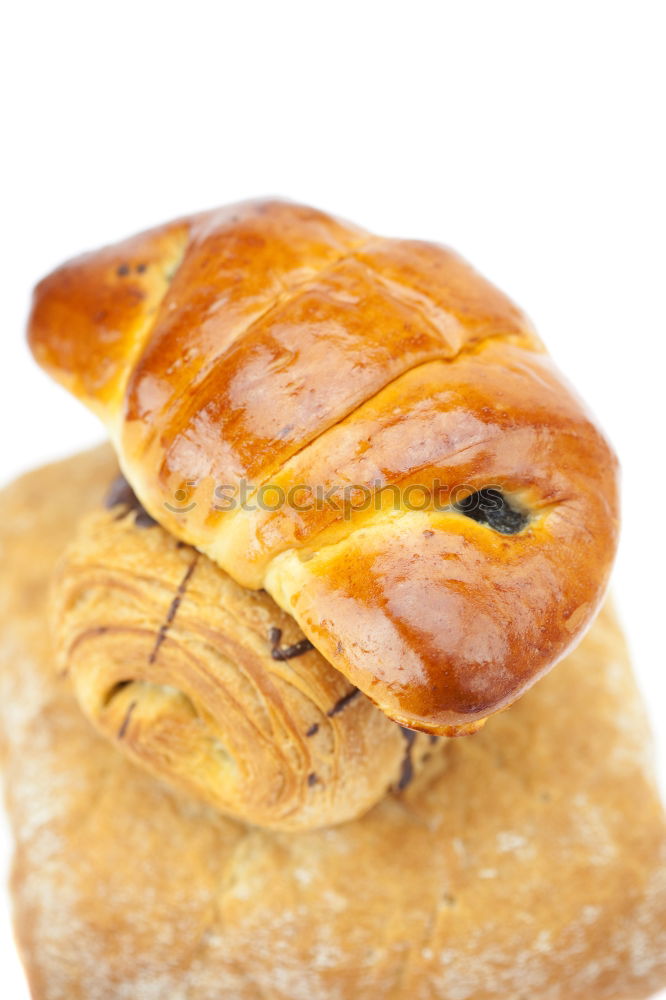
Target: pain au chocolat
[[270, 350], [211, 686]]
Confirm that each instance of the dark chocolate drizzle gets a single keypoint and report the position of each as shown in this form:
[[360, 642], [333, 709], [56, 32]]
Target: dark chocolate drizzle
[[287, 652], [121, 494], [173, 608], [313, 730], [126, 720], [342, 703], [312, 779]]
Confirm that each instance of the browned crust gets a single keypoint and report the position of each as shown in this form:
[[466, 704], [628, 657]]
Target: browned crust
[[272, 342]]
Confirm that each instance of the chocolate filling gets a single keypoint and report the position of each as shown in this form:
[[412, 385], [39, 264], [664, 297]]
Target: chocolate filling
[[490, 506], [287, 652], [121, 494]]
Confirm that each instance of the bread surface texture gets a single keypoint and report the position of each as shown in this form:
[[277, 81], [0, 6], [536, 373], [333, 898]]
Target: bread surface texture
[[364, 427], [529, 861]]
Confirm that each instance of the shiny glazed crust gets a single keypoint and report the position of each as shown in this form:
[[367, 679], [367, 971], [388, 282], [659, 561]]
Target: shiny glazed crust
[[175, 663], [526, 862], [270, 344]]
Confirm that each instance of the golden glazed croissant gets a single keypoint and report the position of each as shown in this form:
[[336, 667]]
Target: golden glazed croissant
[[270, 350], [527, 863], [212, 686]]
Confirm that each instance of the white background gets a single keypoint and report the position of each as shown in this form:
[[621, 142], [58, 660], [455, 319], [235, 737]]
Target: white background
[[527, 135]]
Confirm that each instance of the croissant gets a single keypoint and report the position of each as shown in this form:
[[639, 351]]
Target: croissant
[[363, 427], [212, 687]]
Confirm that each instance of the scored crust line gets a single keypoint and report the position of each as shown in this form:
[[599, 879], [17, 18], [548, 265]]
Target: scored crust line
[[284, 297], [142, 337], [465, 351], [291, 294]]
